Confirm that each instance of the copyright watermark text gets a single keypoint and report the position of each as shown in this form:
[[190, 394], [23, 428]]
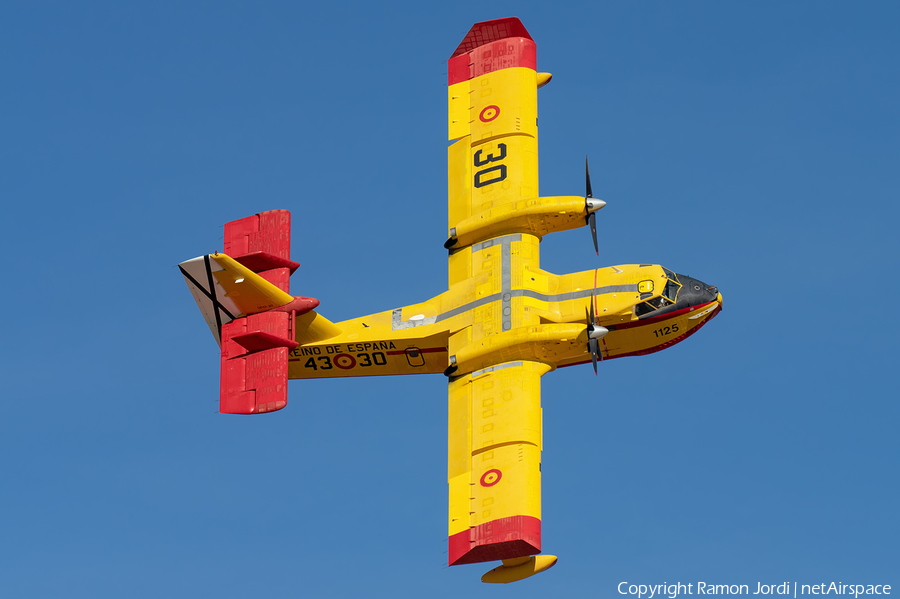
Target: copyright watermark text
[[649, 591]]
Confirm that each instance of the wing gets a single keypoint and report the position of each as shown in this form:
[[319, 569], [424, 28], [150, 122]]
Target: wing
[[493, 166], [494, 464]]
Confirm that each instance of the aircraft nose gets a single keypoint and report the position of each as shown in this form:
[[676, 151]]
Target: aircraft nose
[[699, 292]]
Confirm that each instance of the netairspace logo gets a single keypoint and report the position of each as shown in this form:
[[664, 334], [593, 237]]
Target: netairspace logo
[[649, 591]]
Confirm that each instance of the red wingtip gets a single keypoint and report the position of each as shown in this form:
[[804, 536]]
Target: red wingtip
[[491, 31]]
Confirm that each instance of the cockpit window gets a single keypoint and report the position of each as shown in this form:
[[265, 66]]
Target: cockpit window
[[668, 297], [671, 291]]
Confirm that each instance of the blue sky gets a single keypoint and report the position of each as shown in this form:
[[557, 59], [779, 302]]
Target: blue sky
[[751, 145]]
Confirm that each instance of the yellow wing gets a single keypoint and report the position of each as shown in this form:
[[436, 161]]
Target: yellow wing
[[494, 464], [497, 350], [493, 167], [493, 164], [494, 413]]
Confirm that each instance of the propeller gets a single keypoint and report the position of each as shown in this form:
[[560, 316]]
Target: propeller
[[592, 205], [595, 334]]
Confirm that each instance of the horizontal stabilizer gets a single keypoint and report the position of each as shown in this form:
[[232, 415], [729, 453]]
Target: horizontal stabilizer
[[262, 243], [254, 374]]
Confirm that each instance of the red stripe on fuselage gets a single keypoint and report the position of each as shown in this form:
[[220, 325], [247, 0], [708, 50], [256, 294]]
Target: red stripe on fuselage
[[656, 320], [660, 318], [427, 350]]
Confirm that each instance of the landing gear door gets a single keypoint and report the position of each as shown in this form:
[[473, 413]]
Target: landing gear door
[[414, 357]]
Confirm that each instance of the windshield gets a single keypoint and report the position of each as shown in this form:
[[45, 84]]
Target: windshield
[[671, 291], [668, 297]]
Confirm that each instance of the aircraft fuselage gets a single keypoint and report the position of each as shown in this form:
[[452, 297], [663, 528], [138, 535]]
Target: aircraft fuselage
[[646, 308]]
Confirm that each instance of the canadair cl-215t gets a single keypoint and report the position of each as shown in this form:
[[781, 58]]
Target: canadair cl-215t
[[501, 325]]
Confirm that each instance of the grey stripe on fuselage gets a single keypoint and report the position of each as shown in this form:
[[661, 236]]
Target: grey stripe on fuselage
[[560, 297], [507, 292], [397, 323]]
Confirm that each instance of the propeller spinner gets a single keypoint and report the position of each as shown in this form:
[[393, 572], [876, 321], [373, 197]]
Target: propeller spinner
[[595, 334], [592, 205]]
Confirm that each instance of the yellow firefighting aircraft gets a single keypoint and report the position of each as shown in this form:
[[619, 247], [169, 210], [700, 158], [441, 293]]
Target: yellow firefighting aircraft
[[501, 325]]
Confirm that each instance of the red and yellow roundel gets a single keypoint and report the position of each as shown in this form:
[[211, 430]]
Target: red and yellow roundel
[[344, 361], [489, 113], [491, 478]]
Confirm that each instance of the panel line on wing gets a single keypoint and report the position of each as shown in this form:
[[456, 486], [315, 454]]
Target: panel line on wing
[[495, 367], [506, 283], [479, 142], [496, 240], [476, 452]]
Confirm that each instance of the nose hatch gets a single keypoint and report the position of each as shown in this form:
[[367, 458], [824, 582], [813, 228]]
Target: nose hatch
[[697, 292]]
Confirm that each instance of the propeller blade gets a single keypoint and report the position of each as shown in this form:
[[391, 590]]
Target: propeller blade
[[587, 179], [592, 222], [592, 311], [593, 344]]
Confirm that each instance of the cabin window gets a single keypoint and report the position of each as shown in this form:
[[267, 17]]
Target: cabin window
[[414, 356], [649, 306]]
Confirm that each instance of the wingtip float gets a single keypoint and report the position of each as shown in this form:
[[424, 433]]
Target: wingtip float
[[519, 568], [501, 325]]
